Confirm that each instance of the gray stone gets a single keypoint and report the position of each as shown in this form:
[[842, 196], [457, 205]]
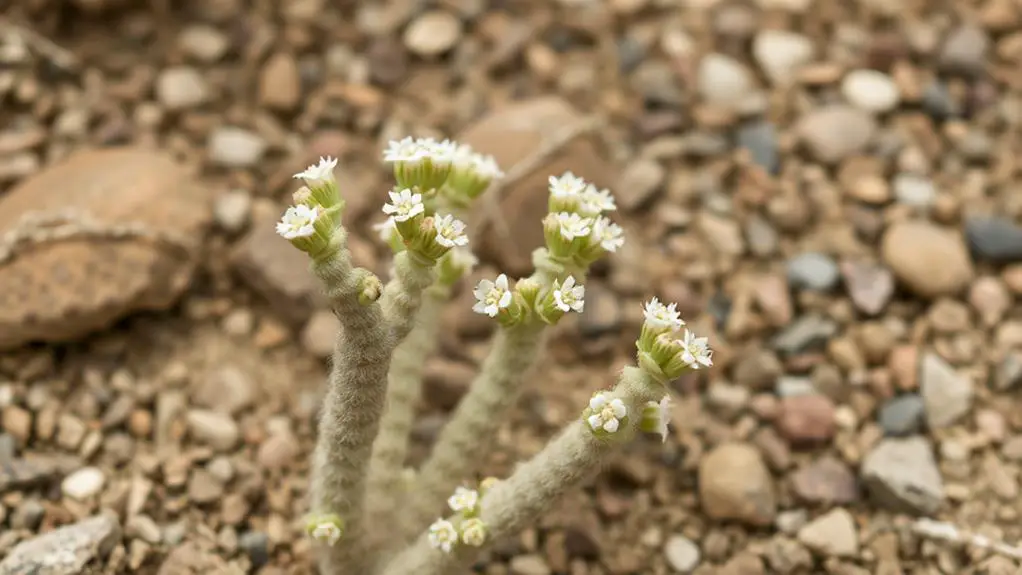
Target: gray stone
[[814, 271], [805, 333], [681, 553], [227, 389], [902, 476], [234, 147], [256, 545], [64, 551], [232, 210], [780, 54], [913, 190], [939, 103], [30, 472], [902, 415], [639, 181], [760, 138], [1009, 372], [946, 394], [722, 80], [965, 50], [181, 87], [215, 429], [994, 239]]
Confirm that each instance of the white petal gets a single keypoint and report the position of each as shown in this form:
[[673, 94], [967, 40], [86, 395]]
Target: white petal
[[597, 401], [611, 426], [492, 310], [594, 421], [619, 408], [505, 299], [502, 282]]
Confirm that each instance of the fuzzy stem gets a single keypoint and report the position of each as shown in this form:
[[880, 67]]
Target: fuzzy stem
[[512, 504], [403, 392], [474, 424], [356, 391], [403, 294]]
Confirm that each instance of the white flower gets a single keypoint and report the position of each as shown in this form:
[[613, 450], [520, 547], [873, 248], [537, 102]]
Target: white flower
[[567, 185], [441, 152], [406, 150], [464, 156], [324, 170], [609, 235], [486, 167], [298, 222], [660, 316], [571, 225], [596, 201], [696, 351], [404, 205], [568, 296], [326, 532], [386, 228], [657, 416], [463, 500], [442, 535], [473, 532], [492, 296], [450, 232], [607, 413]]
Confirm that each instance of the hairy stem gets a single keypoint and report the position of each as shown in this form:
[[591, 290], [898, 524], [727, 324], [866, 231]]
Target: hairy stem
[[356, 392], [474, 424], [403, 392], [511, 505]]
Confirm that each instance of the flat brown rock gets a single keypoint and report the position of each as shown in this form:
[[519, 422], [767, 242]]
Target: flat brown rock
[[59, 290], [513, 134]]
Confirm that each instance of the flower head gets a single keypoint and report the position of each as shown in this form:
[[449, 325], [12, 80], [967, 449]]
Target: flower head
[[326, 533], [404, 205], [324, 170], [492, 296], [443, 535], [298, 222], [607, 413], [662, 317], [473, 532], [568, 296], [405, 150], [571, 225], [696, 351], [325, 528], [450, 232], [596, 201], [607, 234], [656, 416], [568, 185], [464, 500]]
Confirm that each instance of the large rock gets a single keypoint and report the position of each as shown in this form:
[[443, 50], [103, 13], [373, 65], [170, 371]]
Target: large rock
[[59, 290], [68, 550], [901, 475], [928, 260], [513, 135]]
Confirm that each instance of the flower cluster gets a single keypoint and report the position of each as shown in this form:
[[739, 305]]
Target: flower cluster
[[428, 236], [471, 174], [576, 227], [465, 526], [325, 529], [309, 224], [422, 164], [667, 349], [605, 414]]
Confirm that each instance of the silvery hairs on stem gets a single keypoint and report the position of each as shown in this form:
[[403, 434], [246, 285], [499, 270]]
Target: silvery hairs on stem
[[437, 181]]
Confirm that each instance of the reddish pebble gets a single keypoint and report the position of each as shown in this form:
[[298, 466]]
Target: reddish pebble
[[806, 419]]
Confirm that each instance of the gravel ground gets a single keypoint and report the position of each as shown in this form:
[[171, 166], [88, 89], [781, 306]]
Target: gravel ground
[[830, 189]]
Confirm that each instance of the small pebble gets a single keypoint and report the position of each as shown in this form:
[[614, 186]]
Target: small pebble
[[84, 483]]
